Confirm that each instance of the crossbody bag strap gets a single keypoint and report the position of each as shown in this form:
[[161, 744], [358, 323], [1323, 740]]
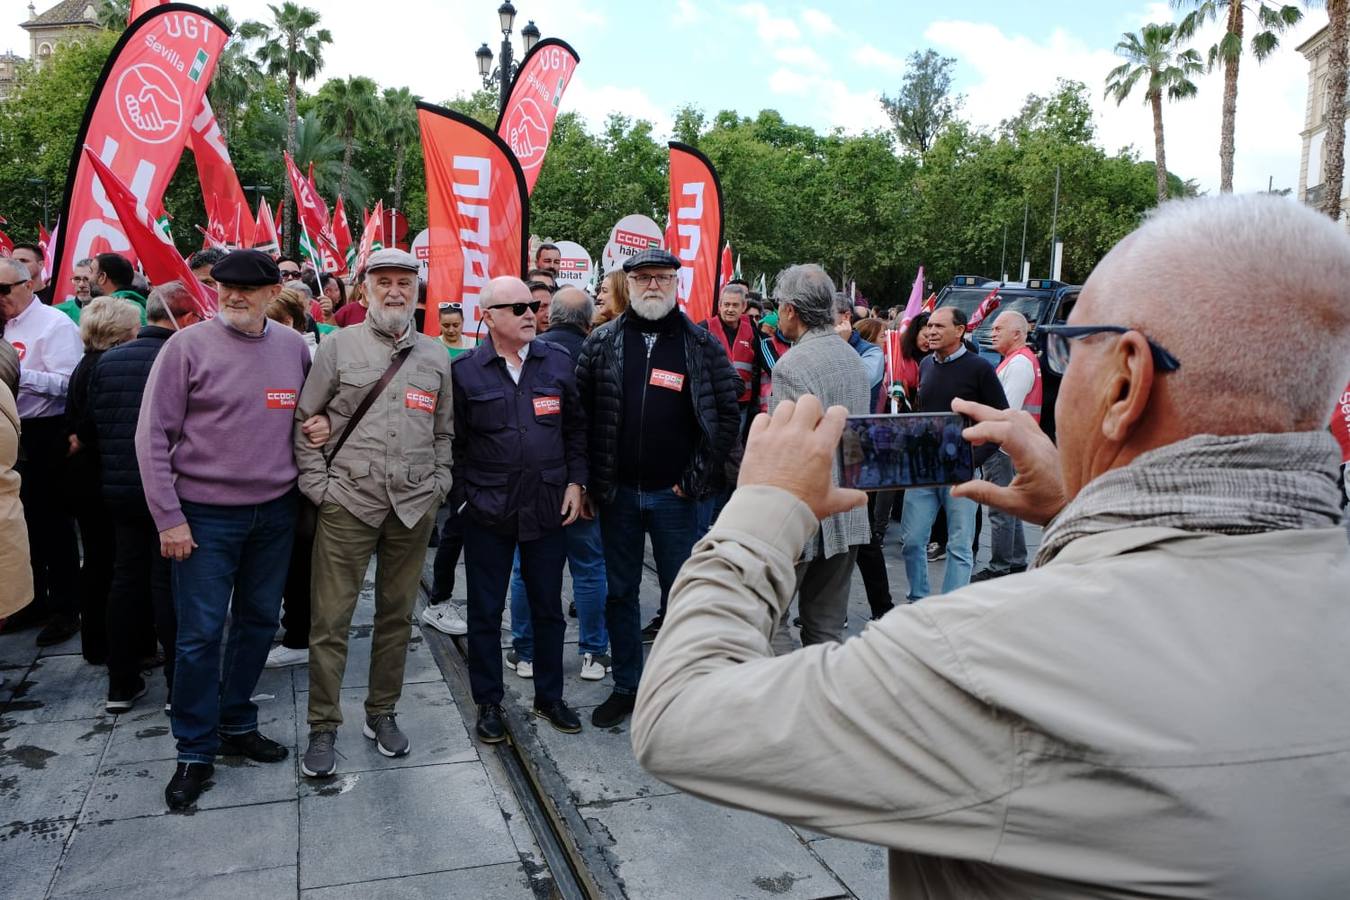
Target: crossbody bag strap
[[367, 400]]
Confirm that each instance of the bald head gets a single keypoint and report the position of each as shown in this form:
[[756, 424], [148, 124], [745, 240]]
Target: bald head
[[498, 305], [572, 306], [1009, 332]]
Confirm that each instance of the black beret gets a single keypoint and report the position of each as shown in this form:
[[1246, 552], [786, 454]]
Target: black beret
[[654, 257], [246, 268]]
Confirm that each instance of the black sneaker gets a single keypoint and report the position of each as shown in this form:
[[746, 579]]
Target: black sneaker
[[254, 746], [559, 715], [614, 710], [490, 727], [122, 697], [58, 629], [936, 552], [986, 575], [187, 783], [1016, 570], [572, 608], [653, 628]]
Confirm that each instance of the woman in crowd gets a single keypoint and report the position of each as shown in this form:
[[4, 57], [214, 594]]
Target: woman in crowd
[[354, 310], [105, 323], [871, 330], [332, 299], [451, 317], [611, 301]]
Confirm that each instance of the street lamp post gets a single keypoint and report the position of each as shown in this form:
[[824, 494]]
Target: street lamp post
[[505, 72]]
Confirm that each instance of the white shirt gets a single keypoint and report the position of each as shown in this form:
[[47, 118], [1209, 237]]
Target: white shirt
[[49, 348], [515, 370], [1017, 377]]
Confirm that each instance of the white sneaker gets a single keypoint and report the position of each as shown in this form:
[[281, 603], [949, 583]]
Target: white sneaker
[[524, 667], [445, 618], [594, 667], [281, 656]]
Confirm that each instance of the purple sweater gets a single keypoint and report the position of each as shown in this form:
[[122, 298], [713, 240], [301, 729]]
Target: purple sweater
[[215, 424]]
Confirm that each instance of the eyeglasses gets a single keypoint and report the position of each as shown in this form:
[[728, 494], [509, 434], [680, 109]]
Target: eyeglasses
[[5, 288], [288, 275], [518, 309], [457, 307], [1057, 338], [79, 279], [665, 280]]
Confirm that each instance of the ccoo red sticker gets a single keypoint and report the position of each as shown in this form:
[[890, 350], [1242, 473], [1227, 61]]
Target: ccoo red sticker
[[671, 381], [420, 401], [547, 406], [278, 399]]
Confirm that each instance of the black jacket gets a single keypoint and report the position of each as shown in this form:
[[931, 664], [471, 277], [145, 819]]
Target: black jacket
[[115, 392], [568, 337], [713, 388]]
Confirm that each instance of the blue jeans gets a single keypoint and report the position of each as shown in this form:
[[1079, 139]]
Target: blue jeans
[[672, 521], [244, 551], [916, 525], [586, 562]]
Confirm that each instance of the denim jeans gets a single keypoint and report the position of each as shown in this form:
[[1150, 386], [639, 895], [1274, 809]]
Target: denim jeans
[[921, 508], [244, 551], [672, 522], [586, 562], [1007, 539]]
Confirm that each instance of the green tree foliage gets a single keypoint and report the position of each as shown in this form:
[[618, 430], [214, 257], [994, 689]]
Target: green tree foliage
[[351, 109], [925, 104]]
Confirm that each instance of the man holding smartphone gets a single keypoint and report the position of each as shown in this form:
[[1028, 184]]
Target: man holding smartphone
[[951, 372]]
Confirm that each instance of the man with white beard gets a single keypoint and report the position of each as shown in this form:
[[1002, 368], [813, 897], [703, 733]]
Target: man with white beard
[[377, 482], [660, 399]]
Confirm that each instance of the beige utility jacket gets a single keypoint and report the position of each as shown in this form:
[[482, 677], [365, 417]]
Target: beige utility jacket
[[398, 458], [1156, 713], [16, 574]]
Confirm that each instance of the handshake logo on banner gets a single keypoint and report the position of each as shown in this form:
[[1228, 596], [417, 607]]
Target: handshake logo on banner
[[149, 105]]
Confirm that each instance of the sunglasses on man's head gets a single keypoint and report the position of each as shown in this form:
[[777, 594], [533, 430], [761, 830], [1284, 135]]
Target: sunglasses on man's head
[[5, 288], [457, 307], [518, 309]]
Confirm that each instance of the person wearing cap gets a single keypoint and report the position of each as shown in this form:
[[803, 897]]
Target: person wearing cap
[[377, 483], [213, 444], [660, 400]]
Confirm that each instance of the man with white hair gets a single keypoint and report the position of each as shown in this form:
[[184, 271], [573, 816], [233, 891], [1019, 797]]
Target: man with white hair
[[1020, 375], [377, 482], [1157, 709]]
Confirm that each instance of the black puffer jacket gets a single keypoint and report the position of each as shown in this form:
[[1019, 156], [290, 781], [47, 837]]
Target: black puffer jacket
[[115, 393], [713, 388]]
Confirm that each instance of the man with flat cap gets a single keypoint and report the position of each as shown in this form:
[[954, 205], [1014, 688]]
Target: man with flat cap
[[213, 443], [660, 399], [377, 483]]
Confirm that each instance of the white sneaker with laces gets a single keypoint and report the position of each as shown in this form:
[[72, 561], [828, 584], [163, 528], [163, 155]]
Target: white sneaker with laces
[[445, 618], [594, 667], [281, 656], [524, 667]]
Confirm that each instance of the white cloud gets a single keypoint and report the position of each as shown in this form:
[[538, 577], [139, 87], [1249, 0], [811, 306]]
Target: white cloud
[[769, 27], [801, 58], [832, 100], [686, 13], [595, 103], [872, 58], [819, 23]]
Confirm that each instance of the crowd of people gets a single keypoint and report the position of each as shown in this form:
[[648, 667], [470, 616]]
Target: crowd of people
[[190, 488]]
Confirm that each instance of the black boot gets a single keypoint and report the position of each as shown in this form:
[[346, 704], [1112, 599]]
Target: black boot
[[186, 784]]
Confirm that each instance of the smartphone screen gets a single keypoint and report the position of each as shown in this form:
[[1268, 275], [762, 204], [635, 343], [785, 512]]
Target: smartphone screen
[[892, 452]]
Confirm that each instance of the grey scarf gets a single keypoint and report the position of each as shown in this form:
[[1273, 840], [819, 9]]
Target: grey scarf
[[1243, 484]]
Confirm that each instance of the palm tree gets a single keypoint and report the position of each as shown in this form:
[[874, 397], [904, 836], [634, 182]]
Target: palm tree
[[352, 109], [1271, 19], [112, 14], [316, 144], [1153, 53], [1333, 182], [401, 131], [236, 77], [291, 45]]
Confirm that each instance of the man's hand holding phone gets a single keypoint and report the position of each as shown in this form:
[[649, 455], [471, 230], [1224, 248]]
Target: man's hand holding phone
[[1036, 494]]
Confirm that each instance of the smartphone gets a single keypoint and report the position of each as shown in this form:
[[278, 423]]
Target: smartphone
[[893, 452]]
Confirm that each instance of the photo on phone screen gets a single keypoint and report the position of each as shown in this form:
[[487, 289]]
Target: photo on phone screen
[[890, 452]]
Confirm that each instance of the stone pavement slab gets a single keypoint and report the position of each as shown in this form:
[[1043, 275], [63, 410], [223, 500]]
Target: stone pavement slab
[[29, 854], [45, 768], [262, 884], [499, 882], [861, 866]]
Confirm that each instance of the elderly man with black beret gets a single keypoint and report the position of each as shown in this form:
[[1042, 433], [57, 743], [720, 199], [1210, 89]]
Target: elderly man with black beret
[[213, 443]]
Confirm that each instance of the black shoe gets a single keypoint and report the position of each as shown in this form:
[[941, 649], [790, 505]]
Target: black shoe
[[153, 661], [186, 784], [122, 697], [653, 628], [1016, 570], [58, 629], [614, 710], [572, 609], [28, 617], [936, 552], [559, 715], [254, 746], [490, 727], [986, 575]]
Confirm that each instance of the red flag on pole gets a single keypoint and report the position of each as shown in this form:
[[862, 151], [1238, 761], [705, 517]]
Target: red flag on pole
[[265, 230], [342, 235], [726, 269], [696, 210], [6, 244], [137, 121], [224, 198], [930, 304], [152, 246], [138, 7], [987, 305], [526, 122], [369, 235], [478, 209], [314, 216]]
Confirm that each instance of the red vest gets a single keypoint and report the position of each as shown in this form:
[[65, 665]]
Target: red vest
[[741, 353], [1032, 403]]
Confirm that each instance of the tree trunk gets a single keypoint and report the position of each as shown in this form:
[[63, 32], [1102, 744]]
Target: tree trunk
[[288, 204], [346, 164], [1230, 84], [1334, 149], [398, 176], [1159, 154]]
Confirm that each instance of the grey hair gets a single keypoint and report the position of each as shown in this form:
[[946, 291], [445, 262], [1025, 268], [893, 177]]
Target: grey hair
[[807, 289], [87, 261], [16, 268], [737, 289], [168, 301], [1015, 319], [844, 305], [567, 309]]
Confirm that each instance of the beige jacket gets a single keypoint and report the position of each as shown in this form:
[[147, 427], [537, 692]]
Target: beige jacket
[[16, 572], [1155, 713], [398, 458]]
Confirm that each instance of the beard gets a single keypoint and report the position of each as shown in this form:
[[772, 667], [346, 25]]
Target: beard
[[391, 322], [653, 305]]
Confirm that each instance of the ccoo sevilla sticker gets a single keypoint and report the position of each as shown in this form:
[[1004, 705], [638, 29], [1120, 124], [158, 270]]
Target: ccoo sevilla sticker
[[420, 401], [547, 406], [671, 381], [281, 399]]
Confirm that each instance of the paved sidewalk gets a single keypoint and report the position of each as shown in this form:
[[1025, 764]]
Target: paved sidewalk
[[82, 795]]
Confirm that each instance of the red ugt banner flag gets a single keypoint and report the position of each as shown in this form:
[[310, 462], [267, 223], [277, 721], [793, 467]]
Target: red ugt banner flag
[[696, 210], [224, 198], [526, 122], [313, 217], [342, 237], [137, 122], [477, 210]]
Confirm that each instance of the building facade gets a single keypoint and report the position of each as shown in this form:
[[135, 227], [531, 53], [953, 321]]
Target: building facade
[[67, 21], [1312, 168]]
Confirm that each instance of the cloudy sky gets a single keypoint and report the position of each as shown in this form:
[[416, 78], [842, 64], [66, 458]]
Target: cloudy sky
[[824, 63]]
